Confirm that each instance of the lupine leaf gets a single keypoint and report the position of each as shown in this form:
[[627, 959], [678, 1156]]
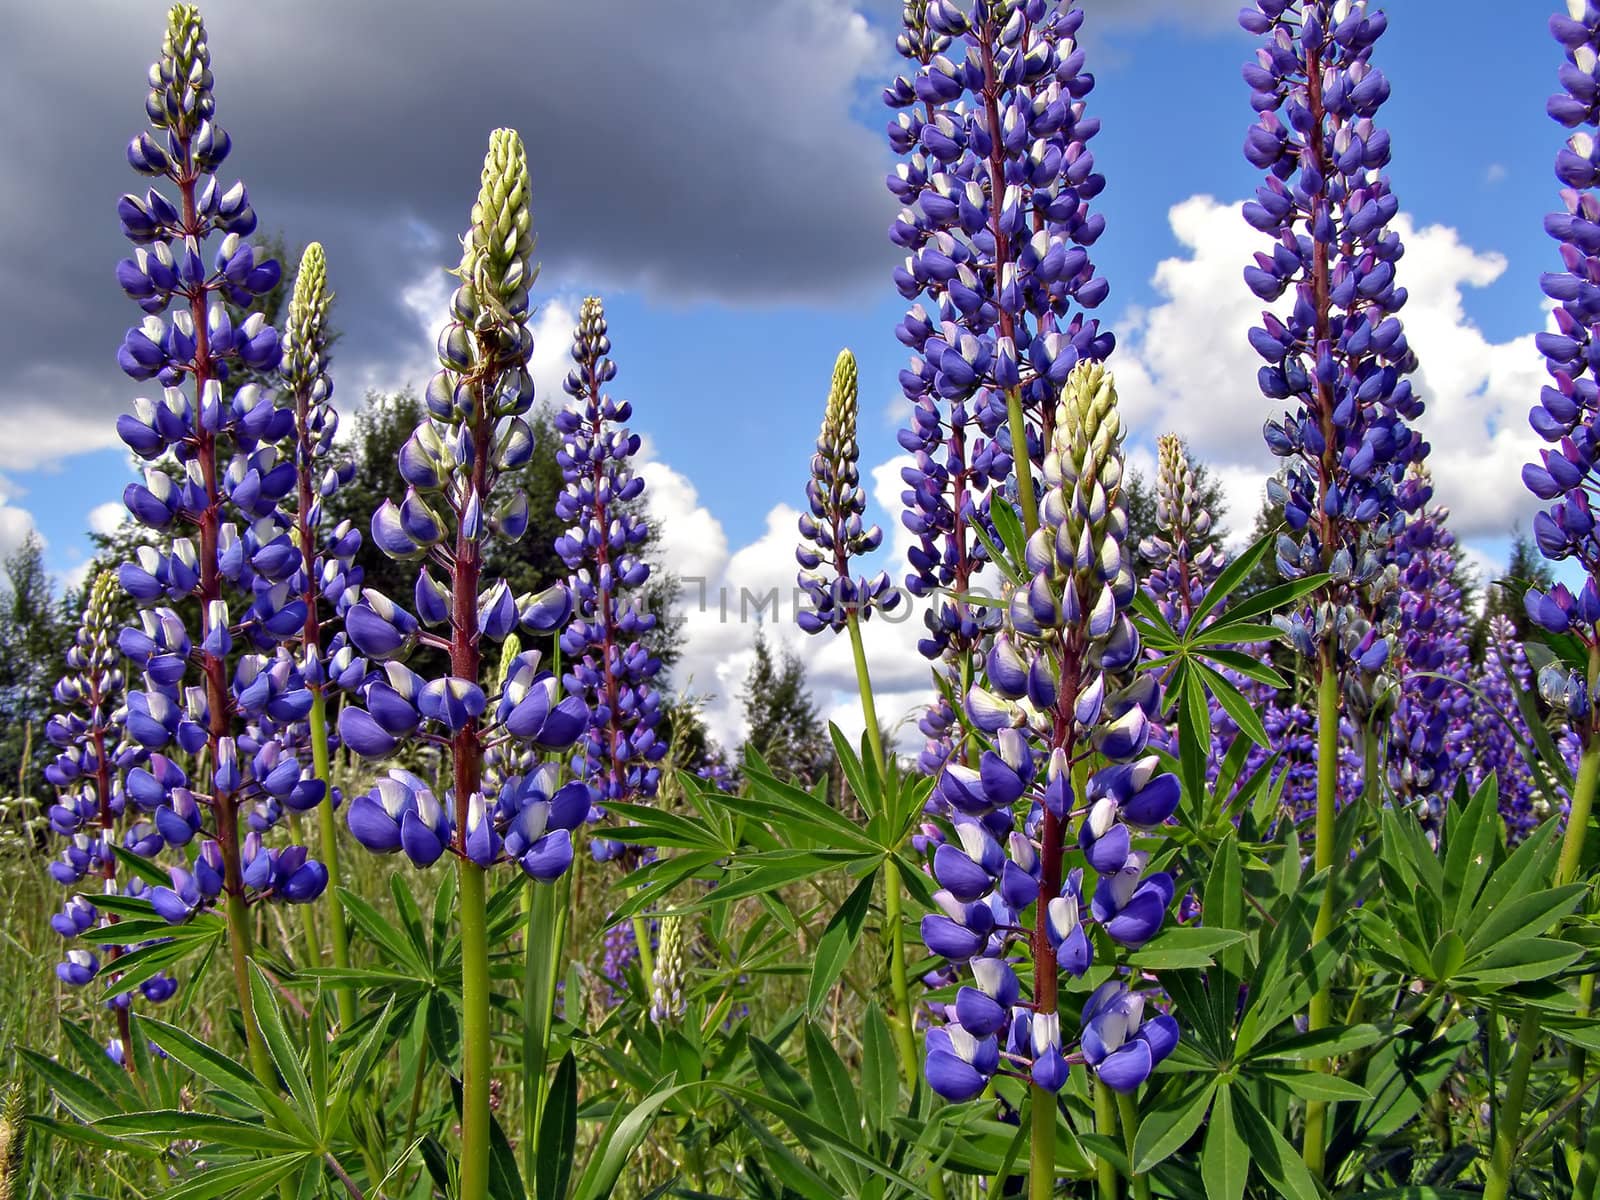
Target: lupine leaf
[[177, 1124], [620, 1140], [1522, 917], [82, 1097], [838, 942], [1268, 600], [880, 1082], [1165, 1128], [1271, 1155], [376, 927], [1236, 706], [1224, 1161], [242, 1181], [1232, 575], [1181, 946], [1317, 1085], [558, 1132], [276, 1036], [830, 1082]]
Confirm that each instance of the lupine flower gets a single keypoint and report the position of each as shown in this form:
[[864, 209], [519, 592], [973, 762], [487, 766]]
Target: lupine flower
[[1061, 675], [996, 182], [832, 532], [1182, 563], [609, 667], [475, 429], [1339, 354], [89, 772], [190, 264], [667, 981], [1496, 726], [1570, 402]]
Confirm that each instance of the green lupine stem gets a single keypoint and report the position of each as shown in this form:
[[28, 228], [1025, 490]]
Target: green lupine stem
[[899, 982], [546, 930], [1042, 1156], [1129, 1113], [1371, 770], [1019, 456], [1508, 1135], [308, 921], [239, 944], [869, 707], [475, 1033], [344, 994], [1108, 1183], [1314, 1150]]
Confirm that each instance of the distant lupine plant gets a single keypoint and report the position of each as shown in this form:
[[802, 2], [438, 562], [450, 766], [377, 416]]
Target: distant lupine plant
[[996, 180], [1182, 564], [190, 264], [327, 579], [1061, 693], [92, 811], [606, 661], [475, 430], [1565, 530], [1338, 355]]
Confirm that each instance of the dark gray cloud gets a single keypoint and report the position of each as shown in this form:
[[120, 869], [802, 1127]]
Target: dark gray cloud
[[685, 149], [688, 149]]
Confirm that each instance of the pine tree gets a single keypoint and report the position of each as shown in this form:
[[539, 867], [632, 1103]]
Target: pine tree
[[781, 720], [35, 630]]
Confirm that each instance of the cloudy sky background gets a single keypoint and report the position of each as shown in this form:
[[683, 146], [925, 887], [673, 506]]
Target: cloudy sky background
[[714, 169]]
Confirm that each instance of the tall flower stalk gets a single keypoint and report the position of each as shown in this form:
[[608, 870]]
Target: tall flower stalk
[[833, 534], [228, 485], [327, 575], [1339, 357], [1070, 723], [1565, 530], [92, 806], [475, 429], [996, 182]]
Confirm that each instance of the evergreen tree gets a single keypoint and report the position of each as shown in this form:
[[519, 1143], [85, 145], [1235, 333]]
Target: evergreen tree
[[782, 721], [1527, 569], [35, 630]]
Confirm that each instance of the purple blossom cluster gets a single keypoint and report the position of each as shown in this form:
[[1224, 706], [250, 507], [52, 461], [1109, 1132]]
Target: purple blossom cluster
[[832, 530], [1568, 405], [91, 805], [216, 470], [474, 430], [996, 183], [608, 665], [1060, 693], [1338, 356]]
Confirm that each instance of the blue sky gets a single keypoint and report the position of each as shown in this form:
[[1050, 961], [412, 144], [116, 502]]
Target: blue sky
[[728, 384]]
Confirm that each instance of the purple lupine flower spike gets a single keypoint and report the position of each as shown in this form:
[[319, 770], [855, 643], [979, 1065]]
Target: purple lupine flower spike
[[1338, 355], [832, 531], [1568, 405], [476, 428], [1061, 681], [205, 688], [609, 666], [89, 773]]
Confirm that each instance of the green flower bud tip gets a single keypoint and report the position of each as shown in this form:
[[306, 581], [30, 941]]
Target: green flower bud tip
[[496, 254]]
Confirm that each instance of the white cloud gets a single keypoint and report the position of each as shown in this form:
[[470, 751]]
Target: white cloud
[[1185, 366], [105, 518], [730, 592], [1495, 173]]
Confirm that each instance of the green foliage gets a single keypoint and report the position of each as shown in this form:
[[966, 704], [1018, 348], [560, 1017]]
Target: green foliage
[[781, 721]]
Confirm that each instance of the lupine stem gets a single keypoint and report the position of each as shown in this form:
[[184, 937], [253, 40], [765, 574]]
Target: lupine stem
[[1042, 1157], [1508, 1134], [1314, 1149], [475, 1115], [344, 994], [308, 921], [1129, 1113], [869, 707], [1108, 1186], [546, 931]]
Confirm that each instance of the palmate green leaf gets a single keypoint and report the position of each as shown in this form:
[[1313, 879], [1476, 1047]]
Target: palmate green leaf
[[1163, 1129], [658, 827], [132, 906], [622, 1138], [838, 942], [1184, 946], [194, 1056], [832, 1086], [1224, 1160], [760, 875], [88, 1135], [134, 929], [1260, 670], [109, 1075], [797, 1175], [1269, 600], [285, 1056], [410, 914], [1231, 635], [1523, 917], [1236, 706], [178, 1124], [1232, 575], [81, 1097], [141, 868], [1316, 1085], [1322, 1043], [241, 1181], [146, 962], [657, 880], [1272, 1155], [382, 933], [792, 809], [880, 1080], [1194, 729], [1472, 840], [860, 772], [1009, 526], [1521, 961]]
